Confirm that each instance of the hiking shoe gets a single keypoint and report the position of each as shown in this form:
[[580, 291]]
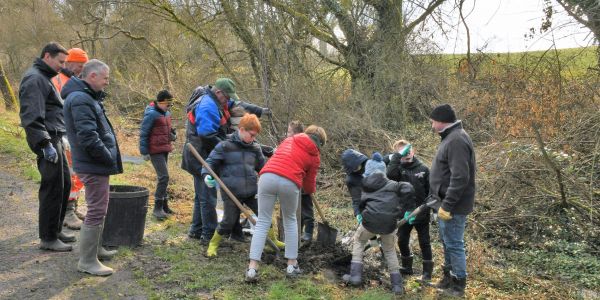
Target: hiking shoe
[[293, 271], [238, 238], [251, 275]]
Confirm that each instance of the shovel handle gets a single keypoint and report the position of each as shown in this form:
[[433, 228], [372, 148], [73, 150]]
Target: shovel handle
[[318, 208], [227, 191], [412, 214]]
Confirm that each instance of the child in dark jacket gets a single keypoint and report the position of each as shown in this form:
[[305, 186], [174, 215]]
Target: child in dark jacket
[[156, 135], [404, 166], [354, 166], [381, 204]]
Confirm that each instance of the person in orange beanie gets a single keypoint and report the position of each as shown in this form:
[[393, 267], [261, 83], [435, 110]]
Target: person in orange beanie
[[73, 66]]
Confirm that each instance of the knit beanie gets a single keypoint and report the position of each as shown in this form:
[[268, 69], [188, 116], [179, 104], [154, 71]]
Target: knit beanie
[[77, 55], [443, 113], [374, 165]]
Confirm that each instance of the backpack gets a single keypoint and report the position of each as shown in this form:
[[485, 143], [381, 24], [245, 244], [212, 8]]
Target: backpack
[[194, 101]]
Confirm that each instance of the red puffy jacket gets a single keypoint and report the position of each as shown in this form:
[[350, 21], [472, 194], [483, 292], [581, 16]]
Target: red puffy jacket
[[297, 158]]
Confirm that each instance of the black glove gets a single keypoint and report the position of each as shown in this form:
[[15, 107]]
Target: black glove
[[267, 151], [173, 135], [50, 153]]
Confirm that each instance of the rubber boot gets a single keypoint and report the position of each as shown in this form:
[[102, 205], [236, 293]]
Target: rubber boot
[[104, 254], [166, 208], [65, 237], [158, 209], [355, 276], [427, 270], [397, 283], [88, 252], [446, 280], [213, 245], [407, 262], [71, 220], [56, 245], [457, 287], [273, 236]]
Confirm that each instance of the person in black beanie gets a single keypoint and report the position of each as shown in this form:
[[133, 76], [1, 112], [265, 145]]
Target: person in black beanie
[[452, 180]]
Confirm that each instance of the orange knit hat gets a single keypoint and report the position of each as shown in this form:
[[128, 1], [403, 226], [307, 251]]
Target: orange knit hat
[[77, 55]]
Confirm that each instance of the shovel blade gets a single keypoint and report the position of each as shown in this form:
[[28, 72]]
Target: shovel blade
[[326, 235]]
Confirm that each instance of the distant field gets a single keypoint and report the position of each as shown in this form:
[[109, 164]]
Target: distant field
[[574, 62]]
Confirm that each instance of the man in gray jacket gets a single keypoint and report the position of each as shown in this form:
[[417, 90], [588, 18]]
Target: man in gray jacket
[[42, 118], [452, 179]]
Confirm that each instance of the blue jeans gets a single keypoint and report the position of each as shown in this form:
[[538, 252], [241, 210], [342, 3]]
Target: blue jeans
[[452, 234], [204, 216]]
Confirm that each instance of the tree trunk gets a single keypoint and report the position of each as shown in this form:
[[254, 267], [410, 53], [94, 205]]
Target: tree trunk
[[10, 101]]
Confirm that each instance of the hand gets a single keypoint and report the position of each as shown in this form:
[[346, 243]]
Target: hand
[[410, 220], [173, 135], [359, 219], [50, 153], [209, 181], [266, 111], [444, 215], [146, 157]]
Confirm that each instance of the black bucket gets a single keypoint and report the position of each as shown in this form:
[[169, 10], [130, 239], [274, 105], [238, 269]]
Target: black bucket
[[126, 216]]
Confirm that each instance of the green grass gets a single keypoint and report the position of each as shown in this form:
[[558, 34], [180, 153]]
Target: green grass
[[14, 146]]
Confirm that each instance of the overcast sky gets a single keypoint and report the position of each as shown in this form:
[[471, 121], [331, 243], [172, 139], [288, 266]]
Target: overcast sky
[[502, 24]]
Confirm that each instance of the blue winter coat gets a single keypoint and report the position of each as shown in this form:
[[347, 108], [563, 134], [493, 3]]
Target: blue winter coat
[[237, 164], [155, 131], [94, 147]]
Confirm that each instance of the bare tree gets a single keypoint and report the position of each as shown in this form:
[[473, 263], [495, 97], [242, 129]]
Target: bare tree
[[586, 12]]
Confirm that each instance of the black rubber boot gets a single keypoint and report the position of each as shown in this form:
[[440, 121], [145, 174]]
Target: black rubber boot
[[446, 280], [158, 209], [397, 283], [166, 208], [355, 276], [407, 262], [457, 287], [427, 270]]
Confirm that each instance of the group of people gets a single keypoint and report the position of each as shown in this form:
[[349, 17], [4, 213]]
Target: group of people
[[222, 129]]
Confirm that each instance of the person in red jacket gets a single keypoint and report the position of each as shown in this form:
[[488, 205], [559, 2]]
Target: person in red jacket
[[291, 169], [156, 135]]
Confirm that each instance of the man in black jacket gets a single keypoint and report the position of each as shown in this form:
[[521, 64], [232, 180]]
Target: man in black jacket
[[96, 156], [452, 179], [42, 118]]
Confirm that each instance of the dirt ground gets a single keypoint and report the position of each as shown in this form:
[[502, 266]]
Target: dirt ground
[[26, 272]]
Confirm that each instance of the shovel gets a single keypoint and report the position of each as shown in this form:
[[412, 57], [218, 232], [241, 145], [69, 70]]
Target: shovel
[[244, 209], [326, 235]]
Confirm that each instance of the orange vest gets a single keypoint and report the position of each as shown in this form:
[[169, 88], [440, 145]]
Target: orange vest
[[59, 81]]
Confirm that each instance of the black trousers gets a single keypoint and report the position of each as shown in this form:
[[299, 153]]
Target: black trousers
[[231, 215], [159, 162], [308, 214], [424, 239], [54, 192]]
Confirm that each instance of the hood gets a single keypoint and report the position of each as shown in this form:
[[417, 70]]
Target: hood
[[413, 164], [446, 131], [41, 65], [77, 85], [152, 106], [374, 182], [351, 159], [303, 141], [235, 137]]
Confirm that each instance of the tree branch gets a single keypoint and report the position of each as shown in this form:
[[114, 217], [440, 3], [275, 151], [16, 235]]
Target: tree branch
[[430, 8]]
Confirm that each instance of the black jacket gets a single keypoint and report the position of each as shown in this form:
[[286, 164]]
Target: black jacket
[[41, 106], [351, 159], [94, 147], [382, 202], [452, 176], [237, 164], [415, 173]]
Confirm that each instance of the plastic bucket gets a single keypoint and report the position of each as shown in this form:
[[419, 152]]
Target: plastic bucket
[[126, 216]]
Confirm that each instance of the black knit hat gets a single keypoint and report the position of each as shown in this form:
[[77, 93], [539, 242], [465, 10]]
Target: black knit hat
[[443, 113], [164, 95]]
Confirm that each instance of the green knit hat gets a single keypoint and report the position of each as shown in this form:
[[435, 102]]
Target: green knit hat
[[228, 86]]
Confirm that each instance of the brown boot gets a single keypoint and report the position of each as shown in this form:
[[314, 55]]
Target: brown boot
[[71, 220]]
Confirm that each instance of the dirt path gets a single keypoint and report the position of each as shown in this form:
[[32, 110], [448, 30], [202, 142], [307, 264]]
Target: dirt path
[[26, 272]]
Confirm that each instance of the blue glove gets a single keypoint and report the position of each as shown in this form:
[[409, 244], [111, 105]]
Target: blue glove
[[209, 181], [359, 219], [410, 220], [50, 153]]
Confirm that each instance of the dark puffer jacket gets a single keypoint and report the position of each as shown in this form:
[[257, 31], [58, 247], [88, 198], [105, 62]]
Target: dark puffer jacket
[[415, 173], [41, 106], [94, 147], [453, 169], [155, 132], [351, 159], [382, 202], [237, 164]]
